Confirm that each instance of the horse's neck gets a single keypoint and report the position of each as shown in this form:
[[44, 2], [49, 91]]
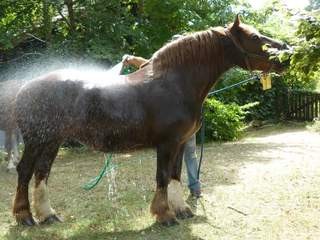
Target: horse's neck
[[231, 57], [222, 61], [208, 66], [202, 78]]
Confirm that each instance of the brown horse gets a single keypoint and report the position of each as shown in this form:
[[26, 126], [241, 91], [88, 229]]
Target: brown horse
[[156, 107]]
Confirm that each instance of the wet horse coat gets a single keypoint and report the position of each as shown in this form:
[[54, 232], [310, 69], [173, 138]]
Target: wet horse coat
[[158, 106]]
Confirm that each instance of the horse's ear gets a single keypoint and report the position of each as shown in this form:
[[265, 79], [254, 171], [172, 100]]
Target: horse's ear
[[236, 21]]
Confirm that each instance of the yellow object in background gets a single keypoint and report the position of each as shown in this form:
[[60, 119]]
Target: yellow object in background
[[266, 81]]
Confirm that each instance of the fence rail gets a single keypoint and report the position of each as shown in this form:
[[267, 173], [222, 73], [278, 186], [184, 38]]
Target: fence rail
[[302, 105]]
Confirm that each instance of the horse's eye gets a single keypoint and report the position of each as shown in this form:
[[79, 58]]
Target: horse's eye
[[255, 37]]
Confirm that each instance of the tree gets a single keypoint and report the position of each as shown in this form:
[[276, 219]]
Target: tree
[[158, 20], [106, 29], [305, 62], [16, 19]]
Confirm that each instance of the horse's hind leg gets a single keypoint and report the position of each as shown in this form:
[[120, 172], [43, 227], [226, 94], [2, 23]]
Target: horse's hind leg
[[175, 192], [25, 168], [41, 203]]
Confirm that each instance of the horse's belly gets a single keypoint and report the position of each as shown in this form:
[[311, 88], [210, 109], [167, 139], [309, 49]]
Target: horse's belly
[[116, 140]]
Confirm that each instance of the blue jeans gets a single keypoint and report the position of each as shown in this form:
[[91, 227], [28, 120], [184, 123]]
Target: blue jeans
[[190, 158]]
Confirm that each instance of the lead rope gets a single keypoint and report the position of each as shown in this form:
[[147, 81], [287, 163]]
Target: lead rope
[[202, 135], [202, 130]]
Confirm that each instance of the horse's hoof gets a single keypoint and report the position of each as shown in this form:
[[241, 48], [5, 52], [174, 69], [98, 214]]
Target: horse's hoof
[[29, 222], [50, 220], [170, 222], [184, 214]]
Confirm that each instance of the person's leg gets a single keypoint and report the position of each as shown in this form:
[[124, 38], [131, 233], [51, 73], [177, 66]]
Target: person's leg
[[190, 158], [15, 145]]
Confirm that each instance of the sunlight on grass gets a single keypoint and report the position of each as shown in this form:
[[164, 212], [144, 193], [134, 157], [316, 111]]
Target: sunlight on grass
[[315, 126]]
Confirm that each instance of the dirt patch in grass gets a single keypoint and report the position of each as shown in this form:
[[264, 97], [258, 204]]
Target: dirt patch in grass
[[265, 186]]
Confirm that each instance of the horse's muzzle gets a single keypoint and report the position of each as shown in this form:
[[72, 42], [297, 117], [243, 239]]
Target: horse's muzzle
[[280, 65]]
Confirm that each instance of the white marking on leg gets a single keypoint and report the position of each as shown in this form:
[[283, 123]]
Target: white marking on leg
[[41, 202], [175, 196]]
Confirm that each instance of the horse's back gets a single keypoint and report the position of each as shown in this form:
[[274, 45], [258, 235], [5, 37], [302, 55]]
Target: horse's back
[[65, 105], [43, 104]]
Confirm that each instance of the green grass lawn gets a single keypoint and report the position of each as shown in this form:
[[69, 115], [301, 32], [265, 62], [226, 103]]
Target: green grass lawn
[[265, 186]]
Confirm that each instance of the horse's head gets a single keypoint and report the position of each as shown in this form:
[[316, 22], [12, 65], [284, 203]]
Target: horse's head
[[253, 47]]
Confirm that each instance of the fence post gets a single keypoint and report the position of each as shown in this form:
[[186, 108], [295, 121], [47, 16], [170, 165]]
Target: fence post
[[285, 104]]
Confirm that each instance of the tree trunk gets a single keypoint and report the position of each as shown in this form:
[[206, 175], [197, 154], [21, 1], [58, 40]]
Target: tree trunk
[[47, 21], [72, 21]]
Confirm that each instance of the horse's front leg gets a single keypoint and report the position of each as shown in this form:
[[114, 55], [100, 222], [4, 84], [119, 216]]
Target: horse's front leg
[[166, 155], [41, 202], [175, 192]]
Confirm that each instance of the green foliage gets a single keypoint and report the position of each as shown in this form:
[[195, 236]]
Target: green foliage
[[233, 76], [224, 122], [106, 29], [147, 31], [252, 92], [269, 19], [305, 62], [16, 19]]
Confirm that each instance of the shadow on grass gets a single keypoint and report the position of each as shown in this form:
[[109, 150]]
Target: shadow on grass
[[286, 127], [154, 231]]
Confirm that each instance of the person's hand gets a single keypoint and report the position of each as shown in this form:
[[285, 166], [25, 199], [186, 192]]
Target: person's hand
[[126, 59], [130, 60]]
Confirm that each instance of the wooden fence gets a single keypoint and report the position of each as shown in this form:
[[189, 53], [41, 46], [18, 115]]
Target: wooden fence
[[301, 105]]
